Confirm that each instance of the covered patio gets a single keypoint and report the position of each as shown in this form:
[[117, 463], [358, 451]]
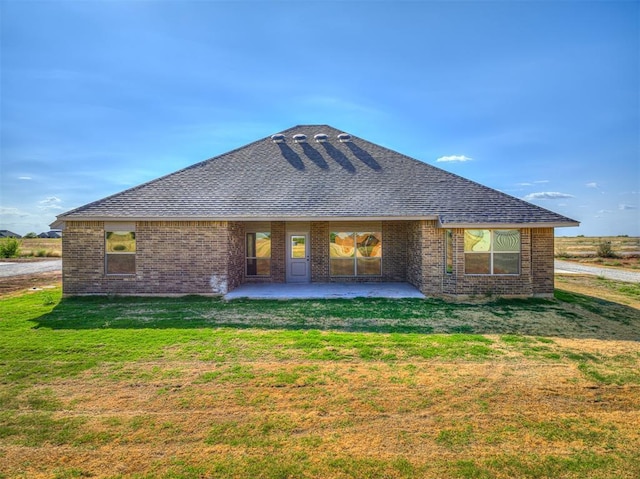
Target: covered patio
[[324, 291]]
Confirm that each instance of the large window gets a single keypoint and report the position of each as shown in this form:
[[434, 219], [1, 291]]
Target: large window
[[492, 251], [258, 254], [120, 248], [355, 253]]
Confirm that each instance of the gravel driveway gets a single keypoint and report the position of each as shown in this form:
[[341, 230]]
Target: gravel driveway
[[16, 269], [609, 273]]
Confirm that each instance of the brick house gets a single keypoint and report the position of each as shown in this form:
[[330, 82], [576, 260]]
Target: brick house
[[310, 204]]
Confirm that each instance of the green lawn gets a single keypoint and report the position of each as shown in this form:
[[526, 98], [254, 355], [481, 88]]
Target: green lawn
[[197, 387]]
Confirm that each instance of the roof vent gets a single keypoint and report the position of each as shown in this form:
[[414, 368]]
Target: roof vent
[[344, 137], [279, 138], [321, 137], [300, 138]]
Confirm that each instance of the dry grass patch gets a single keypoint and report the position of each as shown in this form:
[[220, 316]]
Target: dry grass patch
[[334, 419], [42, 247], [626, 250]]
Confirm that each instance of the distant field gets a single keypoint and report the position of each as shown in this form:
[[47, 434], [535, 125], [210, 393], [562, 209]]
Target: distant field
[[585, 246], [41, 247]]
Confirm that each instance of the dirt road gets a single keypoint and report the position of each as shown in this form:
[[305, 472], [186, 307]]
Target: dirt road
[[9, 268]]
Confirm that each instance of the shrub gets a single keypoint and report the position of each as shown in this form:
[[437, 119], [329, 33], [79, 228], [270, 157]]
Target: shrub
[[41, 253], [605, 250], [9, 248], [561, 251]]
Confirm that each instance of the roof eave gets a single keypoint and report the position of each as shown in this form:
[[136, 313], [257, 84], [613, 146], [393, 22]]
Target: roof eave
[[64, 219], [60, 222], [547, 224]]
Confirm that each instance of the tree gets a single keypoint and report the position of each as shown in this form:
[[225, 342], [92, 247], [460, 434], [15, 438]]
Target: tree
[[30, 234]]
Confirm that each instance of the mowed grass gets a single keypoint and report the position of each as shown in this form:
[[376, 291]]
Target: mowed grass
[[197, 387]]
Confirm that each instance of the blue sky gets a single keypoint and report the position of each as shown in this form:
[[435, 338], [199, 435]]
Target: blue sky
[[537, 99]]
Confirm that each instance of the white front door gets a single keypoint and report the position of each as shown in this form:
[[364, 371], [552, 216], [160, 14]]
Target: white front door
[[298, 270]]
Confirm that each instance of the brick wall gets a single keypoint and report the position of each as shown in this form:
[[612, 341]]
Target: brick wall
[[414, 253], [320, 252], [394, 251], [208, 257], [278, 251], [542, 251], [425, 256], [394, 254], [171, 258], [426, 264], [496, 285], [236, 252], [83, 257]]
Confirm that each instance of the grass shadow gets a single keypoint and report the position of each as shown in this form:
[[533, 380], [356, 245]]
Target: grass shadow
[[568, 315]]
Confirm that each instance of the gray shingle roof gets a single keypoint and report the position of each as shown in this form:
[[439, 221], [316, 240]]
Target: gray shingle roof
[[354, 179]]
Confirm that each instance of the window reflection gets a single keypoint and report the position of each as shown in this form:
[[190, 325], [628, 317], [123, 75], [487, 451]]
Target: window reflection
[[258, 259], [355, 253], [298, 246], [492, 251]]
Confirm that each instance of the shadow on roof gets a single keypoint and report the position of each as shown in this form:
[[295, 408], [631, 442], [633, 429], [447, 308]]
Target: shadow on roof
[[291, 156], [339, 157], [363, 156], [314, 155]]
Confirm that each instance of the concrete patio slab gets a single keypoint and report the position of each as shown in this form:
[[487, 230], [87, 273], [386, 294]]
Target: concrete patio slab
[[325, 291]]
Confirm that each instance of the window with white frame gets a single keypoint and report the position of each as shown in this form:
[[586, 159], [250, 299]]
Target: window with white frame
[[492, 252]]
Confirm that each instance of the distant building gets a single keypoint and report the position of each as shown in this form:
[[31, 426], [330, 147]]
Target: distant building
[[51, 234], [9, 234]]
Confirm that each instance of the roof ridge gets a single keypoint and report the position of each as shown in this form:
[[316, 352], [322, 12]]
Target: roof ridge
[[264, 179]]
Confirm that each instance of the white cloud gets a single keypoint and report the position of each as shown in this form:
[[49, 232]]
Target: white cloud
[[604, 211], [623, 206], [452, 158], [523, 184], [50, 203], [547, 195], [24, 178], [541, 181], [593, 184], [10, 211]]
